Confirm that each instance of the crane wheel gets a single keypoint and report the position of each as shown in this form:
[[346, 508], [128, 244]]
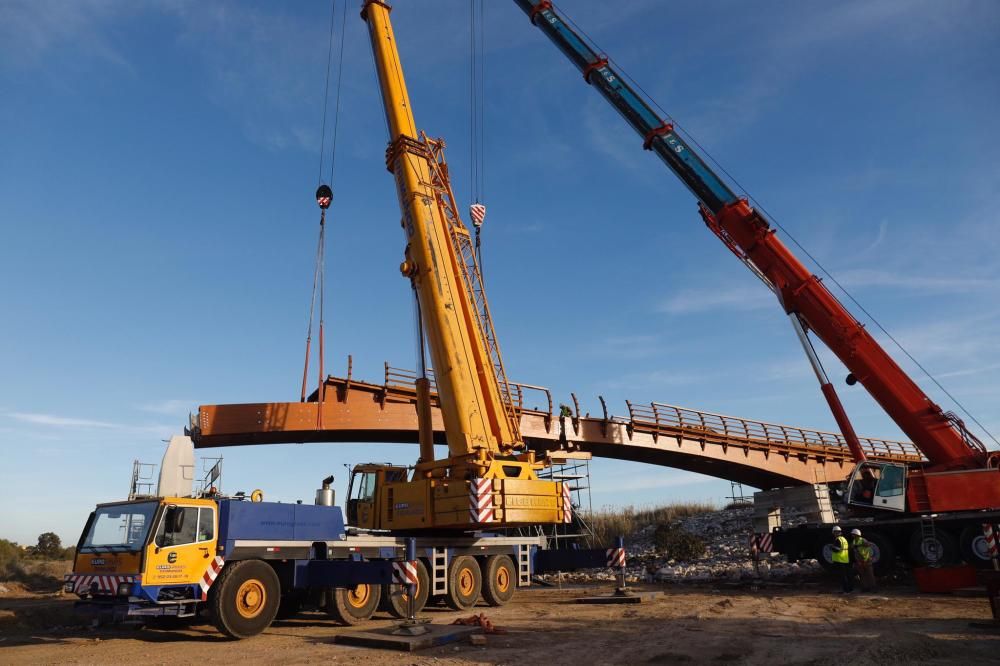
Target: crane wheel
[[499, 580], [823, 553], [939, 548], [465, 582], [244, 598], [973, 547], [884, 553], [353, 605], [395, 600]]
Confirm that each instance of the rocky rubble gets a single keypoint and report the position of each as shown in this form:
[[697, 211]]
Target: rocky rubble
[[727, 555]]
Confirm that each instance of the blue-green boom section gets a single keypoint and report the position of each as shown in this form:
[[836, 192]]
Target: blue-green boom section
[[657, 133]]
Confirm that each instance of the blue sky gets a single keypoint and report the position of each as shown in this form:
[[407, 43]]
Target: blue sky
[[157, 165]]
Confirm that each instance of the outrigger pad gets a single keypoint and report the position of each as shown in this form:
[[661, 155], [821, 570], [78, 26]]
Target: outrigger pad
[[627, 598], [437, 634]]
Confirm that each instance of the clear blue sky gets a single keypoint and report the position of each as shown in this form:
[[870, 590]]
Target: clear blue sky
[[157, 165]]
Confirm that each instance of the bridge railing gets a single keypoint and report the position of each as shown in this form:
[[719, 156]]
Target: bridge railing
[[405, 380], [673, 420]]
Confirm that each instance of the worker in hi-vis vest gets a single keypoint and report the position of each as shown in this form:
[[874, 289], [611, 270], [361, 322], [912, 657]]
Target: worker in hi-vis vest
[[863, 556], [841, 557]]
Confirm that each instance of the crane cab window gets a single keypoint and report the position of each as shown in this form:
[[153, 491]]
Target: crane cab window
[[891, 483], [395, 475], [865, 481], [363, 487], [185, 524]]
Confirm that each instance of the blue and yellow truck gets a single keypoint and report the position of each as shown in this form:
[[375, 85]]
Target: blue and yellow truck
[[244, 562]]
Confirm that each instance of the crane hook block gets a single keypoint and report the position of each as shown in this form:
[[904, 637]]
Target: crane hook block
[[324, 195]]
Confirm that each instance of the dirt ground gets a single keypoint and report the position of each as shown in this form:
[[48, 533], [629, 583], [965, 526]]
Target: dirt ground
[[693, 625]]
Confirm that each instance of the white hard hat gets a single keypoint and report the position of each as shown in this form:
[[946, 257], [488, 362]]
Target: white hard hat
[[836, 528], [855, 532]]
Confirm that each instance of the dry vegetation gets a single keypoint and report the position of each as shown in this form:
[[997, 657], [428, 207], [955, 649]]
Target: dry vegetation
[[25, 569], [611, 522]]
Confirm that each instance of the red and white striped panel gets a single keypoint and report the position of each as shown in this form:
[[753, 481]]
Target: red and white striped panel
[[764, 543], [102, 583], [481, 500], [616, 558], [567, 504], [405, 573], [478, 213], [991, 539], [211, 573]]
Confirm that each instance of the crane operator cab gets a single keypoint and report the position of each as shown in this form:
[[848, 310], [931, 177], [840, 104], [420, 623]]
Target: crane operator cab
[[368, 481], [878, 486]]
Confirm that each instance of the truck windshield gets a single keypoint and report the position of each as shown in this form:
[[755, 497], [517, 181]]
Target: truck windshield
[[119, 527]]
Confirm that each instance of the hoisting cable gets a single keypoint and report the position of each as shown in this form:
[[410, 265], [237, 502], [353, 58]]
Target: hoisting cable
[[477, 118], [324, 197], [621, 70]]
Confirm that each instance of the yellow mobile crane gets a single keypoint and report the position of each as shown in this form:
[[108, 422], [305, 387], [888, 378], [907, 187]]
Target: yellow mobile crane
[[489, 478]]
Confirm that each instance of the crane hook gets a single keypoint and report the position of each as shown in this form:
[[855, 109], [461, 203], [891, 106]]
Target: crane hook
[[324, 196]]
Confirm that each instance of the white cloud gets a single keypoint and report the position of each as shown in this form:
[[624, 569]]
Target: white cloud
[[883, 229], [746, 297], [30, 31], [56, 421], [60, 421], [870, 277], [626, 347], [169, 407]]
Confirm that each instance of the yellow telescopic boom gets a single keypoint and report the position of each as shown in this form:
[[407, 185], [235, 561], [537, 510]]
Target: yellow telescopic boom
[[475, 398], [488, 479]]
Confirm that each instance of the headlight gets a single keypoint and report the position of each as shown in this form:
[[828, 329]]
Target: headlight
[[124, 589], [69, 586]]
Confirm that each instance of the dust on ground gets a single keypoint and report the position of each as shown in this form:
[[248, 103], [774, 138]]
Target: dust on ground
[[684, 625]]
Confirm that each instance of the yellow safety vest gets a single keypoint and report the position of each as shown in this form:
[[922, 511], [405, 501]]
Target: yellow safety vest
[[863, 548], [840, 553]]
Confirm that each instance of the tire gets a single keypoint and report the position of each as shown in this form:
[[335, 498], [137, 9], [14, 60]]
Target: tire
[[939, 549], [499, 580], [354, 605], [824, 555], [465, 582], [973, 548], [883, 552], [244, 598], [395, 600]]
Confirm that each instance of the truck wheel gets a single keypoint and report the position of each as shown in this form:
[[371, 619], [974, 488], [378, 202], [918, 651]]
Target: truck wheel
[[244, 598], [883, 552], [824, 555], [354, 605], [465, 582], [930, 550], [500, 580], [395, 600], [973, 546]]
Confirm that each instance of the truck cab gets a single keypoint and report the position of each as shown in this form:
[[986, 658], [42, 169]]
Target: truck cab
[[151, 549]]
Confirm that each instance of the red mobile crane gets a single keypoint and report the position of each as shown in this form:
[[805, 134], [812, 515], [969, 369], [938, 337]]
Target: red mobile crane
[[959, 479]]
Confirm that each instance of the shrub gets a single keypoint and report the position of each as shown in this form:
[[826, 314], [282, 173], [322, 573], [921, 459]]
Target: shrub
[[612, 522], [10, 561], [678, 543]]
